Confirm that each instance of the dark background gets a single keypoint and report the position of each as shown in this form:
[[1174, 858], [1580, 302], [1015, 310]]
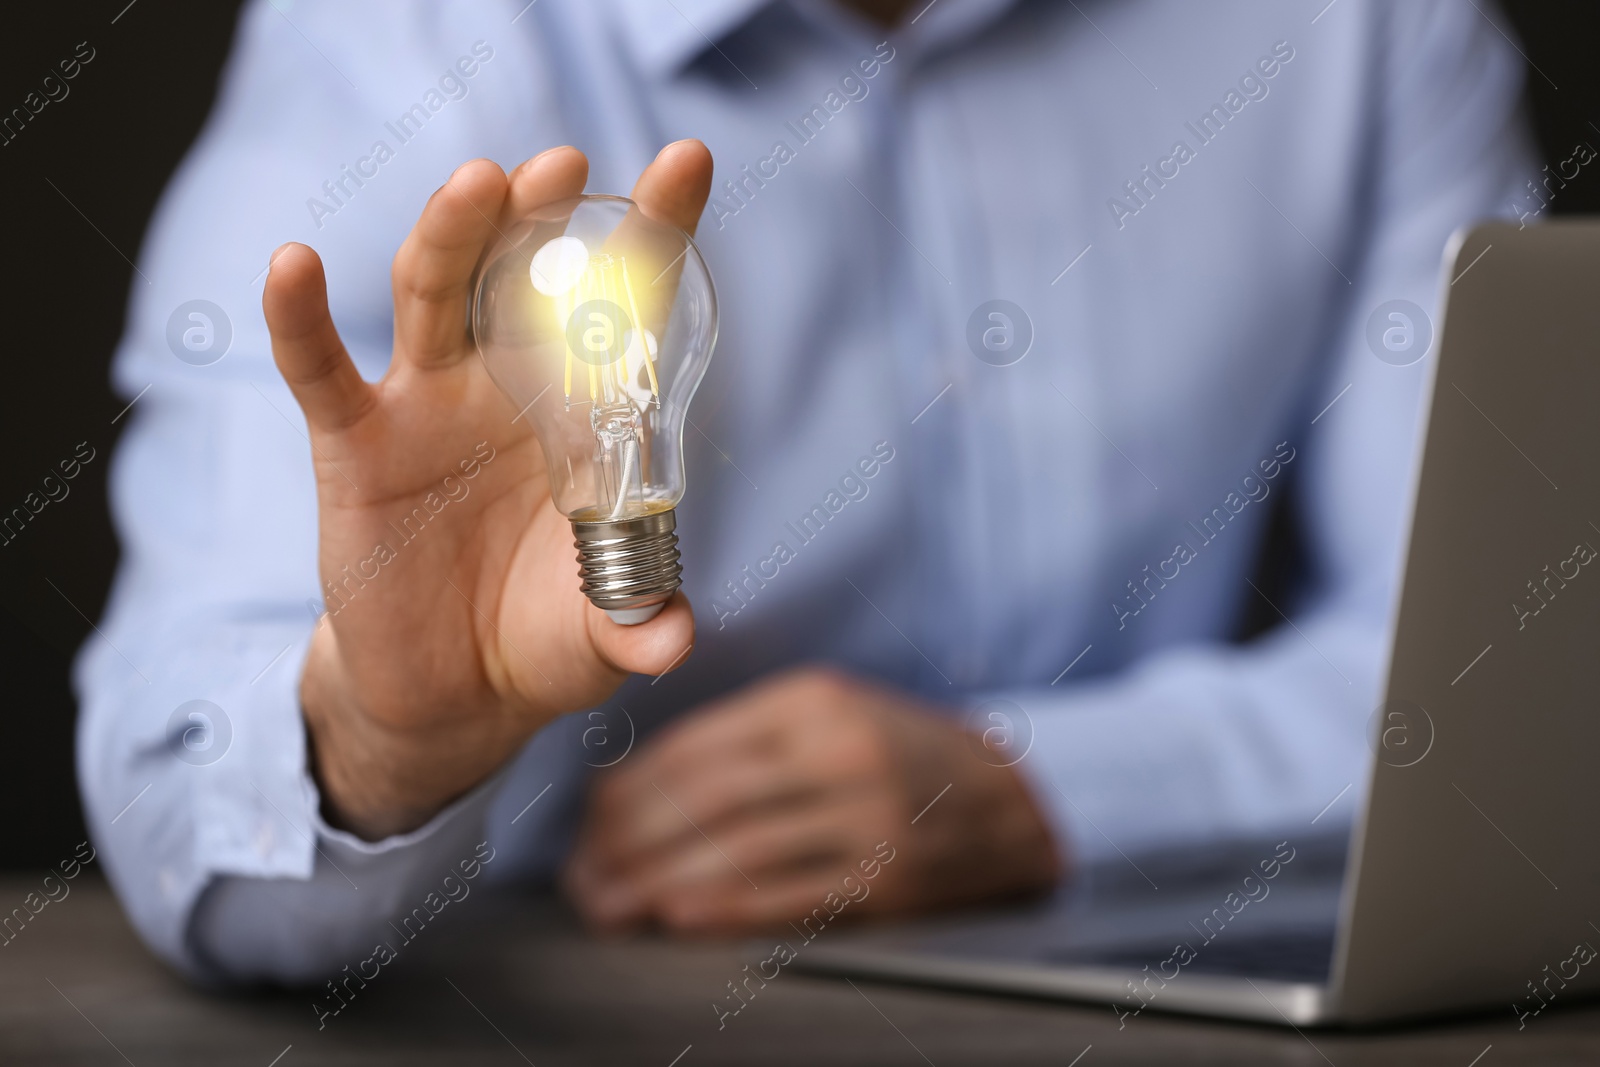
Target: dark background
[[79, 185]]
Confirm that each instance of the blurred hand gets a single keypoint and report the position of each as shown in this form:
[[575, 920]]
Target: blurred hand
[[445, 654], [746, 814]]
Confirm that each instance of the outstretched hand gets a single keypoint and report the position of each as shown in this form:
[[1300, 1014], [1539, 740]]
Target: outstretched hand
[[455, 625]]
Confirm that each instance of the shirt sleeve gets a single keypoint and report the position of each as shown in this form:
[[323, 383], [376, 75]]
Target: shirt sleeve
[[191, 747], [1211, 742]]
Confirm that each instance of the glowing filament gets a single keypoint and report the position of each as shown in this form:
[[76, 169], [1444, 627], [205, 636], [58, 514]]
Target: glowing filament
[[599, 314]]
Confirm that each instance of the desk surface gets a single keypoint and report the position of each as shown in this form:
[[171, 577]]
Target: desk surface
[[511, 980]]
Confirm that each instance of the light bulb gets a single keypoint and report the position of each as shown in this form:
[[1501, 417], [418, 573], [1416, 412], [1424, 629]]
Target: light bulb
[[598, 322]]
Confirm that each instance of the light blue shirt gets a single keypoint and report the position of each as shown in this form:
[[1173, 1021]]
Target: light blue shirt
[[1192, 211]]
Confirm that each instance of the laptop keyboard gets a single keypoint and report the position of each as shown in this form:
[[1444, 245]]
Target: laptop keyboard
[[1285, 956]]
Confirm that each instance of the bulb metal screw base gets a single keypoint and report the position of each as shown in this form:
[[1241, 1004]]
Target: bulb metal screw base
[[630, 567]]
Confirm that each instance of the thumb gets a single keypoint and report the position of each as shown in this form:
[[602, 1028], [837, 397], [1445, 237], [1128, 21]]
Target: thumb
[[663, 644], [674, 187]]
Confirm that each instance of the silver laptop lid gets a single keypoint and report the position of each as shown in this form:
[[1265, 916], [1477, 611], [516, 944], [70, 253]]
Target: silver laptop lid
[[1474, 872]]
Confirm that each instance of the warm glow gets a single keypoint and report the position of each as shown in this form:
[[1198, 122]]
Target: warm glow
[[599, 315], [558, 265]]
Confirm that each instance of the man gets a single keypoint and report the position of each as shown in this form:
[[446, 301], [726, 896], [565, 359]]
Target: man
[[1030, 314]]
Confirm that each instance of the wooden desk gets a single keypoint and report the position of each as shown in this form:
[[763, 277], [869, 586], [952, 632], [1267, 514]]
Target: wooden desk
[[508, 980]]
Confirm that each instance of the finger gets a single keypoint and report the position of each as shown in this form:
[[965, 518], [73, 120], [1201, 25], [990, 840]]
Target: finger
[[735, 726], [798, 732], [632, 794], [668, 200], [305, 344], [602, 898], [656, 647], [432, 272], [584, 881], [717, 794], [700, 883], [600, 909], [739, 727], [586, 890], [630, 831], [554, 174], [674, 187]]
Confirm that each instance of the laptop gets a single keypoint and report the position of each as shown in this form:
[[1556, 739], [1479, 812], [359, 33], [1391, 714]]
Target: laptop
[[1471, 878]]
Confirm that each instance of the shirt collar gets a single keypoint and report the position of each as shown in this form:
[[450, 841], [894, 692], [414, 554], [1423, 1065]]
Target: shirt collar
[[664, 36]]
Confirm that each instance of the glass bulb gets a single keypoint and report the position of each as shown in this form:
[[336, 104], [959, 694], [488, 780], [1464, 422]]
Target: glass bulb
[[598, 322]]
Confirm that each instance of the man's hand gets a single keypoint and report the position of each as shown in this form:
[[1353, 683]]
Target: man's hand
[[455, 625], [749, 812]]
